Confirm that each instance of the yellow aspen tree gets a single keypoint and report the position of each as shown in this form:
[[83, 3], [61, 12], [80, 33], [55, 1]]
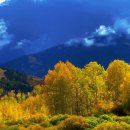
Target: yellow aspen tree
[[94, 73], [116, 72], [57, 88]]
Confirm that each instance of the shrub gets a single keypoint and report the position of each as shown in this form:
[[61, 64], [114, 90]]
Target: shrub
[[2, 125], [35, 127], [51, 128], [58, 118], [37, 118], [73, 123], [92, 123], [123, 119], [113, 126], [12, 122], [22, 128], [11, 128], [103, 118], [46, 124]]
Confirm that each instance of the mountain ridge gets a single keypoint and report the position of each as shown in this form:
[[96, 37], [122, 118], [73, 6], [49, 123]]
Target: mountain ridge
[[39, 64]]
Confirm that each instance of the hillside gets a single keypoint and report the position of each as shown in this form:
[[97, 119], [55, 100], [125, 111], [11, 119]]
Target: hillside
[[10, 80], [38, 64]]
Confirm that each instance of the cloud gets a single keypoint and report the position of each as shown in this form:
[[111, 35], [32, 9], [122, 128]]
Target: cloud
[[4, 2], [88, 42], [105, 31], [118, 33], [5, 37], [28, 46], [22, 44]]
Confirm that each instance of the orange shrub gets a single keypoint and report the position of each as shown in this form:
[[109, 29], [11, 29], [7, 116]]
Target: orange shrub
[[73, 123], [35, 127]]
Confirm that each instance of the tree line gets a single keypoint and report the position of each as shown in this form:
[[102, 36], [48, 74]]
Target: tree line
[[67, 89], [90, 90]]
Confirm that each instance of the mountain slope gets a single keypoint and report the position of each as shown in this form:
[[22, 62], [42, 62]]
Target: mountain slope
[[38, 64], [10, 80]]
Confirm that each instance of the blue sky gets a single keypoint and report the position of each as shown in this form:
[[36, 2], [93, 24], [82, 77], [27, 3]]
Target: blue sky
[[30, 26]]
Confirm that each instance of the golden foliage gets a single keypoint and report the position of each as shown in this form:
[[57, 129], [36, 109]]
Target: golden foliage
[[73, 123], [35, 127], [113, 126], [70, 90], [10, 110]]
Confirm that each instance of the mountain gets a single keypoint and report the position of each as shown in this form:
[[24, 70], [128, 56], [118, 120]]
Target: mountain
[[38, 64], [48, 23], [10, 80]]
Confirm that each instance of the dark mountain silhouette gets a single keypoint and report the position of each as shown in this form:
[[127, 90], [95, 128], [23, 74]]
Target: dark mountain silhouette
[[39, 64]]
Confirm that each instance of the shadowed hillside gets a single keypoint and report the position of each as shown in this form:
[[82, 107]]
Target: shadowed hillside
[[10, 80], [39, 64]]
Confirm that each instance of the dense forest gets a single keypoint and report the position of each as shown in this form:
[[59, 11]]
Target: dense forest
[[72, 98]]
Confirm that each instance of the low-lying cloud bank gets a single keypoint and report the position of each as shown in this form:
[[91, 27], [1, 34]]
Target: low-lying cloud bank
[[119, 33]]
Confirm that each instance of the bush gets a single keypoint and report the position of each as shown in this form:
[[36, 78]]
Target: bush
[[73, 123], [10, 128], [12, 122], [35, 127], [113, 126], [46, 124], [22, 128], [2, 125], [58, 118], [103, 118], [51, 128], [92, 123], [37, 118], [123, 119]]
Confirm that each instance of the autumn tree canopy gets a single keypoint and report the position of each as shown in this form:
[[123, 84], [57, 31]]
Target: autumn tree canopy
[[69, 89]]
